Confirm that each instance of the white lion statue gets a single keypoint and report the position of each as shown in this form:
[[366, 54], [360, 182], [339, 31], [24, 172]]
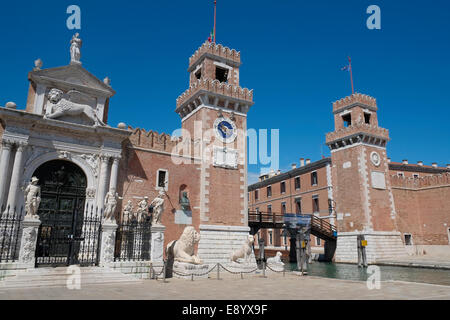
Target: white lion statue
[[183, 248], [60, 106], [276, 259], [245, 251]]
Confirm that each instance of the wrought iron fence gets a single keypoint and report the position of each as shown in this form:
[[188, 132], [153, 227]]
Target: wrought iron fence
[[65, 239], [133, 238], [10, 227]]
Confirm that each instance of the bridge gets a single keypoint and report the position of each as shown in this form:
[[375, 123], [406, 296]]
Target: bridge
[[319, 227]]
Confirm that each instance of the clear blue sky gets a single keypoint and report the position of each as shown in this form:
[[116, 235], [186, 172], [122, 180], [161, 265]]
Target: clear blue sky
[[292, 52]]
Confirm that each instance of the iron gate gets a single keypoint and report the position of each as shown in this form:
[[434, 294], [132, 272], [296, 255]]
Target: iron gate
[[70, 231]]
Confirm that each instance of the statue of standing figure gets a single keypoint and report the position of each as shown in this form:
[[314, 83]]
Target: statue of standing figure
[[75, 48], [110, 205], [158, 208], [32, 198], [142, 209], [128, 212]]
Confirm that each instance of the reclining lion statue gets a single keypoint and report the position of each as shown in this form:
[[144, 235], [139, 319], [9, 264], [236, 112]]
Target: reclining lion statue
[[61, 106], [183, 248]]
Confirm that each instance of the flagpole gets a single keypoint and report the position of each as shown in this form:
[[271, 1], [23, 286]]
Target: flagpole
[[351, 73], [215, 4]]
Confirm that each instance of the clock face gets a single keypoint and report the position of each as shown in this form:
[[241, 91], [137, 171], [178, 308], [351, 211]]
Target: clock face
[[225, 129], [375, 158]]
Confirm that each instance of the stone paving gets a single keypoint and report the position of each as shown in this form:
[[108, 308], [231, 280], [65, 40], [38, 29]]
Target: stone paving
[[231, 287]]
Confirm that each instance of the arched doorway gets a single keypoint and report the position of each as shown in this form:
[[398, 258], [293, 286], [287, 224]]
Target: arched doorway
[[61, 236]]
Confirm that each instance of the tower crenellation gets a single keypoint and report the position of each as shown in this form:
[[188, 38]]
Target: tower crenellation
[[217, 50]]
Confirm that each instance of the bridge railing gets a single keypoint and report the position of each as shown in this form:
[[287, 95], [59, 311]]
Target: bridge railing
[[317, 224], [265, 217]]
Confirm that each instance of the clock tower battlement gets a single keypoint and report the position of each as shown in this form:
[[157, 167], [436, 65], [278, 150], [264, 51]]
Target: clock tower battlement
[[356, 121], [214, 82]]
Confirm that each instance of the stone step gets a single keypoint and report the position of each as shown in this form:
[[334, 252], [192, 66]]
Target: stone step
[[57, 277]]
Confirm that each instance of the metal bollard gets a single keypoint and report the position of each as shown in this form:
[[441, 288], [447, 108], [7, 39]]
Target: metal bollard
[[242, 276], [218, 272], [164, 271], [284, 271], [192, 277], [264, 269]]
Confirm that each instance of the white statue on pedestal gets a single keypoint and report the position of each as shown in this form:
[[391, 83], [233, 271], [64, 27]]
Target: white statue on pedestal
[[110, 205], [142, 210], [158, 208], [244, 252], [75, 49], [32, 195], [183, 248], [128, 211]]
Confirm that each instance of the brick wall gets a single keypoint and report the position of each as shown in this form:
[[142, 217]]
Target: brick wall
[[423, 208]]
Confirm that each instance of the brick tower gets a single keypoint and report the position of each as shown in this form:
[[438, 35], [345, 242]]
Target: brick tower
[[360, 173], [214, 113]]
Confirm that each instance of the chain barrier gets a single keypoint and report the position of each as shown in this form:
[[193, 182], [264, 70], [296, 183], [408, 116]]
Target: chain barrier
[[154, 275], [277, 271]]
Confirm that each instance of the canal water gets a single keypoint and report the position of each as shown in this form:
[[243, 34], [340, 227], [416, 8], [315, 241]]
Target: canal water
[[352, 272]]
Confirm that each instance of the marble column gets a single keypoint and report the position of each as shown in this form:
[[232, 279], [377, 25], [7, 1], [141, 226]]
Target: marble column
[[15, 177], [102, 183], [4, 166], [107, 243], [114, 174], [28, 241]]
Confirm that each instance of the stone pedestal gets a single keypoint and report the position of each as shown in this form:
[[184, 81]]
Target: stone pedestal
[[108, 242], [380, 245], [28, 241], [186, 270], [276, 267], [157, 243], [218, 242]]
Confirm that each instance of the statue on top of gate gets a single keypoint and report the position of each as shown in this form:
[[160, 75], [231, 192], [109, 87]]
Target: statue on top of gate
[[142, 210], [32, 195], [110, 205], [158, 208]]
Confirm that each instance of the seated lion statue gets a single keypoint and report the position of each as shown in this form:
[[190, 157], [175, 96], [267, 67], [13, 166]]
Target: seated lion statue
[[183, 248]]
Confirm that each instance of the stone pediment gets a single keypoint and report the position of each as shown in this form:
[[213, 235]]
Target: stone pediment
[[73, 76]]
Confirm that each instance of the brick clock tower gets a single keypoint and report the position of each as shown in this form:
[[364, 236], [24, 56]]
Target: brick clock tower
[[362, 189], [213, 112]]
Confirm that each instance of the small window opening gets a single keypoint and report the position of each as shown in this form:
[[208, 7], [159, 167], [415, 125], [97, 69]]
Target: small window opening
[[198, 74], [315, 204], [283, 187], [298, 206], [314, 178], [408, 239], [297, 183], [162, 178], [317, 241], [269, 191], [367, 118], [222, 74], [347, 120]]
